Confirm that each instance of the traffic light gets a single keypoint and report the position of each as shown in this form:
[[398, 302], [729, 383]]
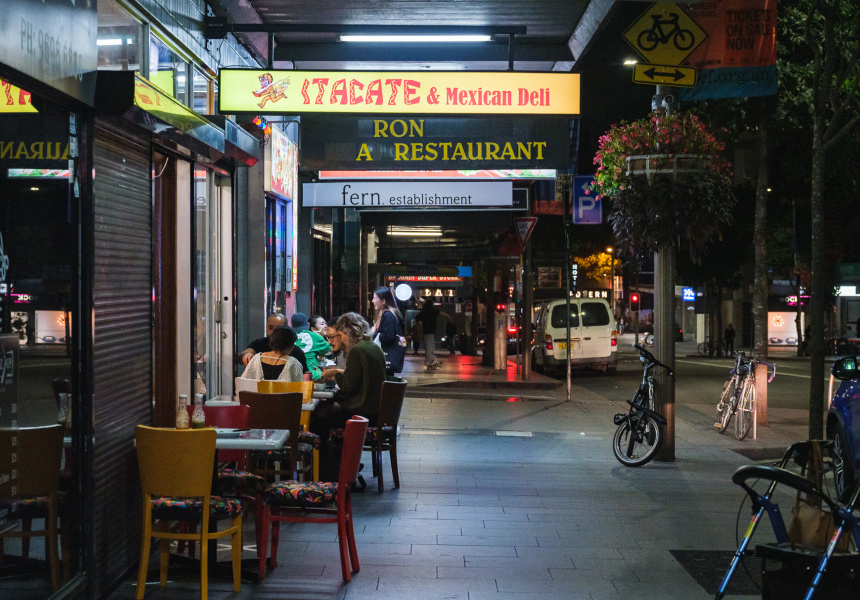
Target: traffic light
[[634, 302], [501, 307]]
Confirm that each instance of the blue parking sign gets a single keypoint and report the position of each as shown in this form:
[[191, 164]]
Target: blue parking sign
[[587, 209]]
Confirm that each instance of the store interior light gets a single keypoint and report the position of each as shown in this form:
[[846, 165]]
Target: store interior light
[[415, 231], [112, 42], [415, 39]]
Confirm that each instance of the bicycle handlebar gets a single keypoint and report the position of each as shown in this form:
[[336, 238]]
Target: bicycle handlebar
[[653, 362], [740, 358]]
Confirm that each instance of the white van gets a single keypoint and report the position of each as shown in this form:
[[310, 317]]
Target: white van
[[593, 338]]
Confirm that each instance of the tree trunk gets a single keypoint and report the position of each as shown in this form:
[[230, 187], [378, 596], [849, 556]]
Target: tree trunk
[[760, 285], [818, 293]]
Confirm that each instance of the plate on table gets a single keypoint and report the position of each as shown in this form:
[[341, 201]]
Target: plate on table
[[228, 433]]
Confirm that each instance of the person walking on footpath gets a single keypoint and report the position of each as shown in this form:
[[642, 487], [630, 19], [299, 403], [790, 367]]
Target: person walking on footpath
[[428, 317], [729, 340]]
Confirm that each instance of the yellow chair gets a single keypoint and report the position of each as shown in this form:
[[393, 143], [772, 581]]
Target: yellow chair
[[307, 389], [39, 450], [176, 481]]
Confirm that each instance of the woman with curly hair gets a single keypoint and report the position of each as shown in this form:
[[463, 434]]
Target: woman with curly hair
[[359, 381]]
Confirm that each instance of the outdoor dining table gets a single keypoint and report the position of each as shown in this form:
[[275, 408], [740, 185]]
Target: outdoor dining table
[[233, 401]]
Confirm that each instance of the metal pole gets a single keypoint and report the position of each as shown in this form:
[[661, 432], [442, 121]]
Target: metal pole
[[566, 209]]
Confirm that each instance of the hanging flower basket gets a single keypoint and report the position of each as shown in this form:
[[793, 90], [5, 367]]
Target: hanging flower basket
[[679, 167], [666, 182], [650, 143]]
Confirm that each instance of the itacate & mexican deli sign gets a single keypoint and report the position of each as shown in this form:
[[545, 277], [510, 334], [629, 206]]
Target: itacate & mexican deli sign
[[387, 92]]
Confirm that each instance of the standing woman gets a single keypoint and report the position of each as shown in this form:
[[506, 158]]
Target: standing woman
[[389, 327]]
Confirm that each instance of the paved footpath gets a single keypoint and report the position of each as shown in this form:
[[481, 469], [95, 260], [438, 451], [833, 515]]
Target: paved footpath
[[511, 493]]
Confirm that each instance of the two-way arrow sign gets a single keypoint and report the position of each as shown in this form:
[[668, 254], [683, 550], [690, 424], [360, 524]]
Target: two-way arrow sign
[[654, 74]]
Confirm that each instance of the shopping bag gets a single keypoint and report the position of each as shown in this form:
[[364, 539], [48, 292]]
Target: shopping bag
[[811, 525]]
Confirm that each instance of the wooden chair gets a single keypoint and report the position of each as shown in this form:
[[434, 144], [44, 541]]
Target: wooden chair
[[277, 411], [307, 389], [230, 482], [176, 481], [318, 502], [40, 451], [383, 437]]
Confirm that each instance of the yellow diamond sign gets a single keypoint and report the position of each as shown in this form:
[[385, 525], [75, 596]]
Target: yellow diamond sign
[[665, 34]]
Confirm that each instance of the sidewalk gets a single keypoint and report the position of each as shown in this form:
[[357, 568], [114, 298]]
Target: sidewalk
[[510, 493]]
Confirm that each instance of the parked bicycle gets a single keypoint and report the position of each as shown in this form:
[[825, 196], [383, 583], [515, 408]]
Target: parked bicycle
[[738, 395], [640, 431]]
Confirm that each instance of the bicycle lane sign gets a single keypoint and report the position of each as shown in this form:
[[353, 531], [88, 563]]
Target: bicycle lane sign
[[665, 34]]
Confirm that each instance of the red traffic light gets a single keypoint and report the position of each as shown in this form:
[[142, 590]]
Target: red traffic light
[[634, 302], [501, 307]]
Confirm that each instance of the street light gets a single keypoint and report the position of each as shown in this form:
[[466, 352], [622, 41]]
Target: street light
[[612, 280]]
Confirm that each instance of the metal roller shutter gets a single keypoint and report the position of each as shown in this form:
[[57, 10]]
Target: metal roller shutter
[[122, 347]]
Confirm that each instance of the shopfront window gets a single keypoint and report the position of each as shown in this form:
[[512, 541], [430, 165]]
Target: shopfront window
[[279, 259], [167, 70], [118, 38], [201, 93], [39, 192]]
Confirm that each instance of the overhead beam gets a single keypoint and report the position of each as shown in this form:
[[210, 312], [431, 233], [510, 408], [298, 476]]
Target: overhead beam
[[339, 52]]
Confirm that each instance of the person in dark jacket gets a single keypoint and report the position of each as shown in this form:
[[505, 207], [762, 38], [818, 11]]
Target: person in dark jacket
[[428, 317], [262, 344], [729, 340], [389, 324]]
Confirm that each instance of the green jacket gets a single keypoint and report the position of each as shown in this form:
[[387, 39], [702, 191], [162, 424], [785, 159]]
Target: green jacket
[[361, 380], [315, 348]]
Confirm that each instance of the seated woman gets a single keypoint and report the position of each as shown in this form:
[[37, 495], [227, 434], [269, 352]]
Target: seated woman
[[359, 382], [276, 364]]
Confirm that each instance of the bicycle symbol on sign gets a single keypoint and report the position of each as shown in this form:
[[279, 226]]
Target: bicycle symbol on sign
[[664, 30]]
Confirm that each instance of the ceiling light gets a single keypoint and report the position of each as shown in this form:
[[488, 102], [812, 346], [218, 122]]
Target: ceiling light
[[630, 61], [412, 39], [415, 231]]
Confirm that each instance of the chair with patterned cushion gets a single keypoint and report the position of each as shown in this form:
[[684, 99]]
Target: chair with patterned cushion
[[278, 411], [266, 386], [40, 449], [318, 502], [383, 437], [176, 481], [231, 482]]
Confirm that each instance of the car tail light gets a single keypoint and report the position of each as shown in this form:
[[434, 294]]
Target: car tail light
[[548, 342], [614, 338], [512, 330]]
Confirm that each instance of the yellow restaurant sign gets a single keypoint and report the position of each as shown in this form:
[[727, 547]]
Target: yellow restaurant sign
[[14, 99], [470, 93]]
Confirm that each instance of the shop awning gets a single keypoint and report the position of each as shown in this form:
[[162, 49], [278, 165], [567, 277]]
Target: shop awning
[[127, 94], [238, 143]]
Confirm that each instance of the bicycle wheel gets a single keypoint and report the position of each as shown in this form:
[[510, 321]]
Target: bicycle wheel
[[637, 446], [746, 406], [726, 403], [684, 39], [647, 40]]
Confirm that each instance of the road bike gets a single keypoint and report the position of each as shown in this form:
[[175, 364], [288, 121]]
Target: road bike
[[738, 396], [640, 431], [707, 348], [664, 30]]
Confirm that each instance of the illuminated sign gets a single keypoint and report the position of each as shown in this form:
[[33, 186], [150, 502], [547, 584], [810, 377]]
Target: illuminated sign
[[14, 99], [483, 148], [423, 279], [688, 294], [404, 195], [38, 173], [478, 174], [408, 92], [283, 166], [21, 298]]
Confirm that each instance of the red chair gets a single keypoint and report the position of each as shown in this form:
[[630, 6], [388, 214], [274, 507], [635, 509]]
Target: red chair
[[302, 502]]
